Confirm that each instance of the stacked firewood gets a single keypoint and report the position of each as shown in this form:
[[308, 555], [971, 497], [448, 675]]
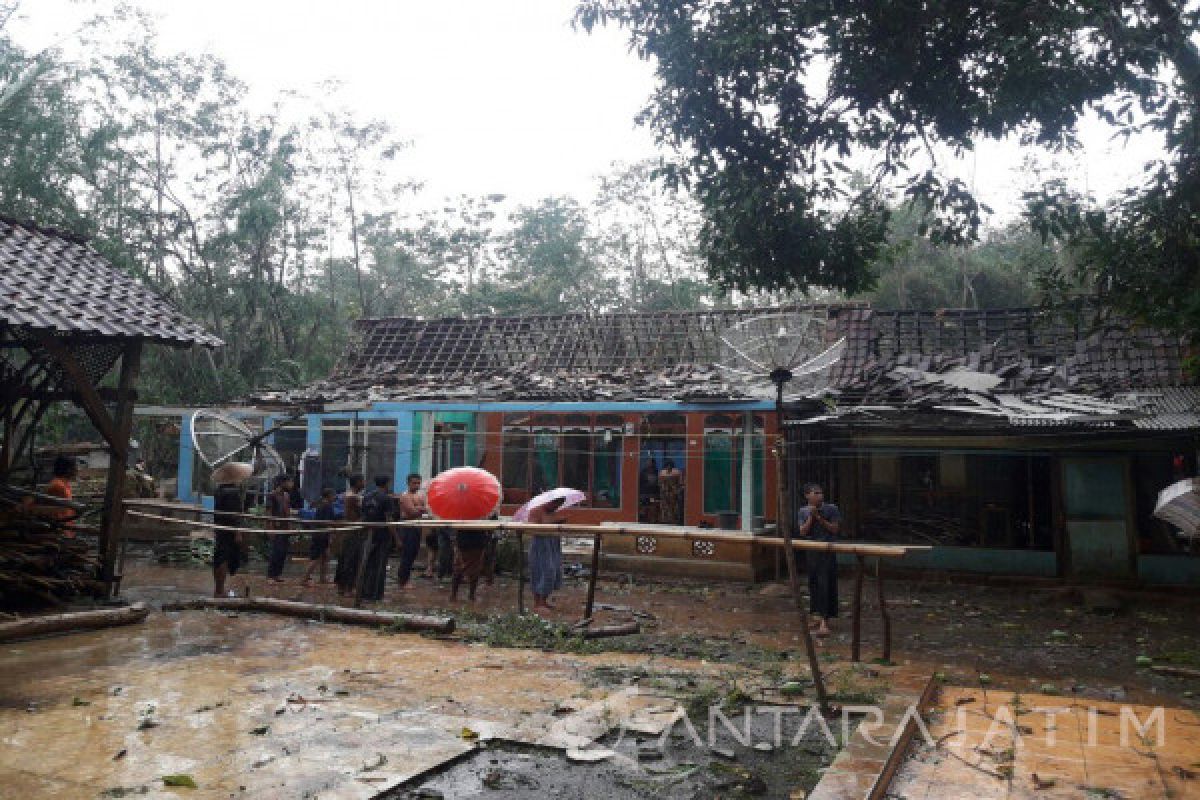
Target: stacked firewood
[[40, 566]]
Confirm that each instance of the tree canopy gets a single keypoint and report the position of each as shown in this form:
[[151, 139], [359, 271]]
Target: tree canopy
[[772, 104]]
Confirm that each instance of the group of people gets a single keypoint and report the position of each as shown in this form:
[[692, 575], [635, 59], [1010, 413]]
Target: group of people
[[364, 553], [464, 555]]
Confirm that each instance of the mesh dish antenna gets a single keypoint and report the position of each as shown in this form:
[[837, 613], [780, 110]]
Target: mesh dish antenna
[[220, 441], [756, 349]]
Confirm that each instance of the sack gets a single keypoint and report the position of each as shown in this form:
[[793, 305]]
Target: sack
[[375, 506]]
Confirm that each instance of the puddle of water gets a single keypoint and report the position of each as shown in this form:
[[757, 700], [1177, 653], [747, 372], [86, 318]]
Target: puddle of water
[[674, 766]]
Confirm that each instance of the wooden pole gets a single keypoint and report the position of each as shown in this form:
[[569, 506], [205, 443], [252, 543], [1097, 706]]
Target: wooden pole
[[591, 593], [790, 557], [883, 611], [520, 573], [856, 619], [72, 621], [114, 490]]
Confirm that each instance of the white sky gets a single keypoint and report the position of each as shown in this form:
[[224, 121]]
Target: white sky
[[496, 95]]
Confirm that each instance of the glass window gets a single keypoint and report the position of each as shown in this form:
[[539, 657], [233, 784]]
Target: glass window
[[379, 450], [517, 444], [544, 451], [449, 446], [606, 462], [724, 439], [335, 454], [576, 452]]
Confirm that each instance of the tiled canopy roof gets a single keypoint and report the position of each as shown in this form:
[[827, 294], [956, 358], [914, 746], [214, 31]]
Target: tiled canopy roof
[[53, 282]]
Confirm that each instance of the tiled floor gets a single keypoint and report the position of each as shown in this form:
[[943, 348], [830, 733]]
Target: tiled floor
[[1003, 745], [858, 766]]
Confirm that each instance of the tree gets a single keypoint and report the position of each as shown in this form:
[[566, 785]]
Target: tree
[[549, 263], [770, 103]]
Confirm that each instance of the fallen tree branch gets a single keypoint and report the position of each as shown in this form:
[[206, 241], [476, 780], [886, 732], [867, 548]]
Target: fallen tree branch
[[291, 608], [72, 621], [612, 630]]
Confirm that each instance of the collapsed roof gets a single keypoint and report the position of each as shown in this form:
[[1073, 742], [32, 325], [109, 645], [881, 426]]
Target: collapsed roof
[[858, 356]]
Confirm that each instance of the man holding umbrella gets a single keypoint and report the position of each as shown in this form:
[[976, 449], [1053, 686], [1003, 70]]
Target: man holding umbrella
[[545, 553]]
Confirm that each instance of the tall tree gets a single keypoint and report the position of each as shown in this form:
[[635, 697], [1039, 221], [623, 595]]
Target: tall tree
[[770, 103]]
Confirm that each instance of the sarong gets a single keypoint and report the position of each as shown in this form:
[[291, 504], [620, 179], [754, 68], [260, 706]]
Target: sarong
[[545, 564]]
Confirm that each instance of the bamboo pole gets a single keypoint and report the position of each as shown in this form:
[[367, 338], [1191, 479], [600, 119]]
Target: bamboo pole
[[591, 592], [331, 613], [72, 621], [520, 573]]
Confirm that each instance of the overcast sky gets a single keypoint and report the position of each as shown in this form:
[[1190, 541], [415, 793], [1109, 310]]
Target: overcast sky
[[496, 95]]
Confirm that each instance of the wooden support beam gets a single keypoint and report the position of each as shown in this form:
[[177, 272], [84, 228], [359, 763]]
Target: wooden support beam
[[883, 611], [89, 398], [114, 489], [856, 614]]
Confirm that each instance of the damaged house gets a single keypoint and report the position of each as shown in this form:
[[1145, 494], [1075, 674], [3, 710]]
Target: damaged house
[[1016, 442]]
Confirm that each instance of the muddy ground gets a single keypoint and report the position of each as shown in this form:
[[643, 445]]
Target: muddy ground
[[1016, 637]]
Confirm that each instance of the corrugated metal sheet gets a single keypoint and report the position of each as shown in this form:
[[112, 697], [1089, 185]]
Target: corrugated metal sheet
[[54, 282]]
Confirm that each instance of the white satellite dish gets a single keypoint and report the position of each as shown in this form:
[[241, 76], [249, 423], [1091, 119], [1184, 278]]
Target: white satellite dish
[[795, 341], [229, 448]]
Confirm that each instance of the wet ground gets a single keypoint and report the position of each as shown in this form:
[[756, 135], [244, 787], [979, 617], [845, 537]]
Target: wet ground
[[256, 706], [1020, 638]]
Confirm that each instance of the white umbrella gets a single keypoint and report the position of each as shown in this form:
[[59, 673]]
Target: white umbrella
[[570, 497], [1179, 505]]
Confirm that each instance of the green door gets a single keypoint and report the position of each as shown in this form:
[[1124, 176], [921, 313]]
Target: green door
[[1096, 505]]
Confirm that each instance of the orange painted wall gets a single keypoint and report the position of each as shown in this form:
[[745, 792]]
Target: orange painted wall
[[492, 425]]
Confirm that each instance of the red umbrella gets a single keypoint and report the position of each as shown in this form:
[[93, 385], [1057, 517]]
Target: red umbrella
[[463, 493]]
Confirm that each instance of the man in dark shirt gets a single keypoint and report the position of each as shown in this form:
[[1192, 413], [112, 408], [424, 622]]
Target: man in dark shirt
[[279, 505], [820, 521], [378, 506], [227, 544]]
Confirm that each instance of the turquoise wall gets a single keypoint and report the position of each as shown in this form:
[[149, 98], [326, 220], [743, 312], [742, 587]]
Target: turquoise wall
[[1035, 563], [1169, 570]]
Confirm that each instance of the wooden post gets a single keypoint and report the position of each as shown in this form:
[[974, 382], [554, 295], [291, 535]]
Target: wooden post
[[520, 573], [856, 619], [114, 490], [591, 592], [883, 611], [794, 579]]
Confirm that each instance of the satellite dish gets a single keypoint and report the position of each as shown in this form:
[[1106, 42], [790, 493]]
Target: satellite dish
[[231, 450], [794, 341]]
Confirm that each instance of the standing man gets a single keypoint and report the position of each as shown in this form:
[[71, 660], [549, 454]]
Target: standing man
[[413, 504], [318, 549], [819, 522], [352, 543], [377, 507], [279, 505], [227, 544]]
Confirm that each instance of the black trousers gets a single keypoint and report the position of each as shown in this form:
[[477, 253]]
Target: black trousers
[[822, 584], [410, 545], [281, 543]]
